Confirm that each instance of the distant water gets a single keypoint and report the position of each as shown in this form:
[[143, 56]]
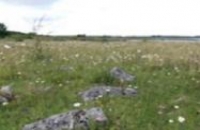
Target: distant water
[[191, 39]]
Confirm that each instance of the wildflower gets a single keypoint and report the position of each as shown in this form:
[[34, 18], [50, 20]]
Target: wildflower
[[181, 119], [37, 81], [176, 107], [100, 96], [42, 81], [130, 85], [91, 57], [160, 112], [181, 58], [77, 55], [171, 121], [138, 51], [19, 73], [107, 90], [65, 58], [5, 103], [193, 79], [149, 81], [176, 69], [23, 44], [161, 60], [154, 74], [7, 46], [77, 104]]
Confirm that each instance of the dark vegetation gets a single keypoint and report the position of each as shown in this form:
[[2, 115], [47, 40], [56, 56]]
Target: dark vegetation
[[20, 36]]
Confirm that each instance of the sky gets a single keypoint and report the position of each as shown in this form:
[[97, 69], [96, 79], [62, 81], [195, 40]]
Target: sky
[[102, 17]]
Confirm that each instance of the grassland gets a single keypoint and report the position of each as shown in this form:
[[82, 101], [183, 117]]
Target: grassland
[[47, 78]]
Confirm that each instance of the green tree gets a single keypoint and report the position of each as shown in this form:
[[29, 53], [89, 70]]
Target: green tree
[[3, 30]]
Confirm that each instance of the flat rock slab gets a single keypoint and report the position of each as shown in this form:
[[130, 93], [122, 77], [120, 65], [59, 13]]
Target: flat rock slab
[[73, 120], [121, 75], [99, 91]]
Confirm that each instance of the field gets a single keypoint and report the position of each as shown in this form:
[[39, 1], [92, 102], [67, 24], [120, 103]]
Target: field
[[46, 77]]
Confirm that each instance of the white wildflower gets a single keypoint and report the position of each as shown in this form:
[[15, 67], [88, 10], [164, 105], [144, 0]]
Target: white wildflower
[[149, 81], [176, 107], [77, 55], [91, 57], [168, 73], [130, 85], [181, 119], [100, 96], [23, 44], [160, 112], [5, 103], [176, 68], [171, 121], [7, 46], [139, 51], [77, 104], [42, 81], [19, 73], [107, 90], [37, 81]]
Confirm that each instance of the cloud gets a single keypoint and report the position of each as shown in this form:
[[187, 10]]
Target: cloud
[[22, 18], [127, 17], [108, 17], [31, 3]]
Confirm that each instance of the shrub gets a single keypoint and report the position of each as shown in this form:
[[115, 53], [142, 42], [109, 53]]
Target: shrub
[[3, 30]]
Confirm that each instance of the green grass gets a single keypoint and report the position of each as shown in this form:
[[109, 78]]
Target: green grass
[[166, 75]]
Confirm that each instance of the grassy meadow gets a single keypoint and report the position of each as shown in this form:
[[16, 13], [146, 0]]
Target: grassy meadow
[[47, 76]]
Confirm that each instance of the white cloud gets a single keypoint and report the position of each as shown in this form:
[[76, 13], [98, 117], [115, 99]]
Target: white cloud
[[111, 17], [18, 18], [31, 3]]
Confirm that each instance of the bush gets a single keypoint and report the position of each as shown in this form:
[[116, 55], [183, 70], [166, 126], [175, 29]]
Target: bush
[[3, 30], [17, 37]]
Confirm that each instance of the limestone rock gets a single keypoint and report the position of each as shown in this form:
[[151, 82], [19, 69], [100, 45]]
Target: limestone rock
[[121, 75], [99, 91], [3, 99], [6, 90], [73, 120], [6, 93]]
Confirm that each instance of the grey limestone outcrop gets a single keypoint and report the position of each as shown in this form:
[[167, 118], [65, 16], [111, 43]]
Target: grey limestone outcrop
[[72, 120]]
